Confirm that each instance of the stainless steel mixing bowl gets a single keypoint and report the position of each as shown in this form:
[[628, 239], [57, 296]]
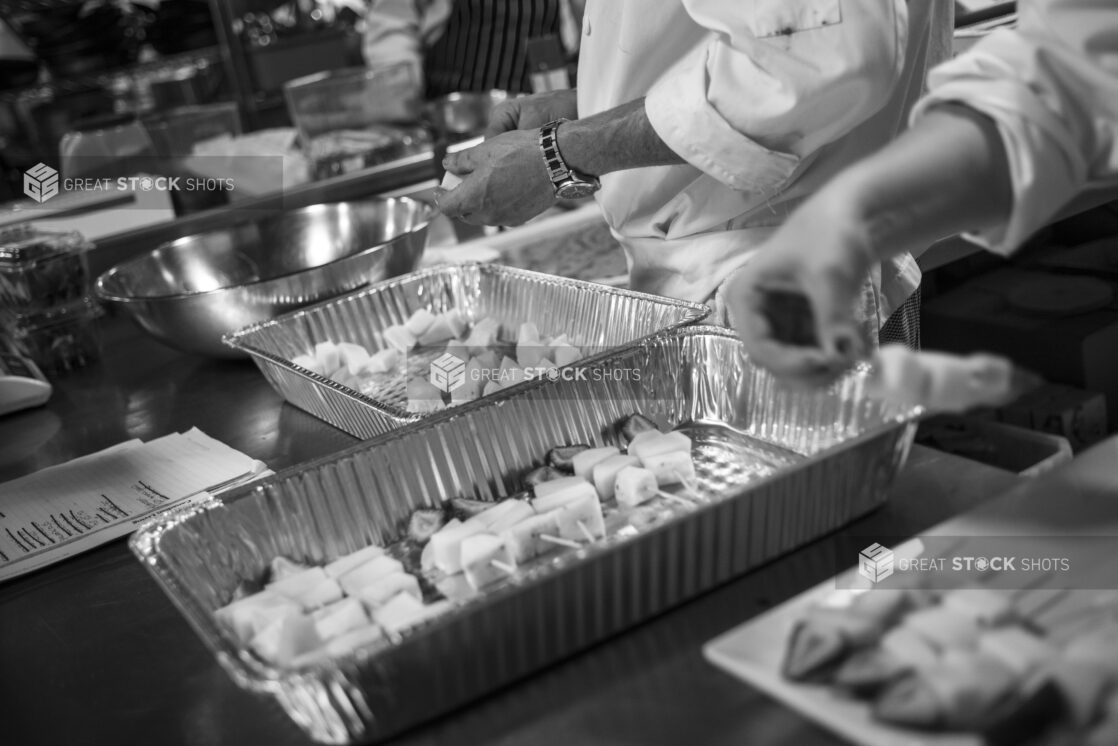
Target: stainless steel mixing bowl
[[463, 114], [190, 292]]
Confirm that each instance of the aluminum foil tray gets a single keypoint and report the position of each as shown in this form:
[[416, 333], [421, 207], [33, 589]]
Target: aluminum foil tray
[[777, 468], [596, 317]]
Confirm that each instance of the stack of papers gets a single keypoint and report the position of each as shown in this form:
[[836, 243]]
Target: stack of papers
[[66, 509]]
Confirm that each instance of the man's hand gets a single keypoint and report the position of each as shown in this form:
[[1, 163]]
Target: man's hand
[[504, 181], [531, 112], [793, 304]]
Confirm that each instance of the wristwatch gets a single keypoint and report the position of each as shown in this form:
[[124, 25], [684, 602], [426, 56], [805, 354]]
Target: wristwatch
[[567, 183]]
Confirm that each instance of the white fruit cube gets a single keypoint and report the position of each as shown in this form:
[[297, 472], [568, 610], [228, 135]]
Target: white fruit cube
[[438, 332], [582, 520], [364, 575], [523, 540], [347, 562], [485, 560], [492, 387], [543, 489], [354, 357], [447, 544], [310, 362], [482, 338], [943, 627], [672, 467], [419, 322], [559, 498], [566, 355], [423, 396], [311, 588], [380, 592], [605, 473], [353, 640], [584, 461], [1016, 648], [286, 638], [500, 512], [641, 437], [384, 361], [634, 486], [328, 355], [512, 517], [529, 355], [559, 341], [661, 443], [471, 386], [455, 321], [529, 333], [399, 338], [249, 615], [909, 647], [339, 618], [985, 605], [403, 611]]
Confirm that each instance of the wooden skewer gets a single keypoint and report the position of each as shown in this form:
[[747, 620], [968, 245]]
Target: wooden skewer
[[687, 486], [503, 566], [560, 542], [586, 532], [674, 498]]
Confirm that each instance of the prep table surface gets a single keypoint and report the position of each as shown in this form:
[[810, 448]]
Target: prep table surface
[[92, 652]]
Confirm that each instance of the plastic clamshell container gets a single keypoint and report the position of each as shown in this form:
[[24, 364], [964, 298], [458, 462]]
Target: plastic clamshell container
[[41, 269]]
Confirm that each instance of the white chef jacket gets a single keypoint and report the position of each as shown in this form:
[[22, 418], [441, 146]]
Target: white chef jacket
[[766, 100], [1052, 88]]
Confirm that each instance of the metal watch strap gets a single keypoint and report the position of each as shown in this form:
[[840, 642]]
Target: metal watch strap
[[557, 169]]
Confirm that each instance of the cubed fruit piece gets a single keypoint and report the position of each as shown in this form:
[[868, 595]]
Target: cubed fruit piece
[[566, 355], [485, 560], [456, 322], [673, 467], [483, 336], [341, 375], [347, 562], [354, 357], [506, 512], [523, 540], [403, 611], [353, 640], [471, 386], [943, 627], [559, 498], [282, 567], [488, 360], [986, 606], [423, 396], [328, 355], [380, 592], [384, 361], [286, 638], [364, 575], [543, 489], [581, 519], [1098, 645], [909, 647], [559, 341], [310, 362], [510, 374], [311, 588], [492, 387], [419, 322], [1016, 648], [399, 338], [659, 443], [605, 473], [246, 617], [447, 544], [585, 461], [529, 355], [639, 438], [634, 485], [437, 333], [528, 334], [339, 618]]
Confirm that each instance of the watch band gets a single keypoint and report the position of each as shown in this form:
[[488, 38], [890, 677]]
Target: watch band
[[557, 169]]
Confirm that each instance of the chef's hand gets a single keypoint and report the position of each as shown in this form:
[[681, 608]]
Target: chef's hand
[[504, 181], [793, 303], [532, 112]]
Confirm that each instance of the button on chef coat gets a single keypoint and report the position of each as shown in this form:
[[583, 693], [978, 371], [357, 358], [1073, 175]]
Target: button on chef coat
[[1052, 88], [765, 100]]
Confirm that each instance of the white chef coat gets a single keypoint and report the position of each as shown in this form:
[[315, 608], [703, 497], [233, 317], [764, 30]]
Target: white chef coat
[[766, 100], [1052, 88]]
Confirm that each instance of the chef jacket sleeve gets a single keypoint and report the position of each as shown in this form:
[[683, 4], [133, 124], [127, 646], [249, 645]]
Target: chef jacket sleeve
[[777, 80], [1051, 87]]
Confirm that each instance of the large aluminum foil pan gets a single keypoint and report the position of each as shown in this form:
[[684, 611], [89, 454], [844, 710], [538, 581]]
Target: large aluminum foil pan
[[777, 467], [598, 318]]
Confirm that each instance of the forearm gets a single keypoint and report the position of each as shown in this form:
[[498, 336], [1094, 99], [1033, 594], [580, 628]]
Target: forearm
[[948, 174], [614, 140]]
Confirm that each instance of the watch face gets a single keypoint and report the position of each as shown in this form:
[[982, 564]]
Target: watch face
[[576, 190]]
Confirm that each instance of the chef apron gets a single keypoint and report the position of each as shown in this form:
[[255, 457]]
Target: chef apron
[[484, 46]]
